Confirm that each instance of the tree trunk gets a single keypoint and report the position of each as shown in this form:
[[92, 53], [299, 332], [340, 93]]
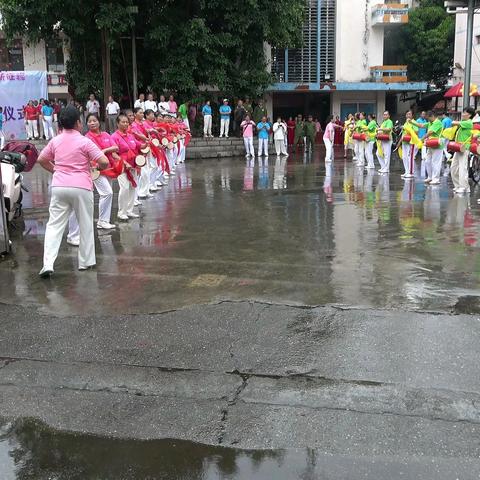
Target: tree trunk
[[106, 66]]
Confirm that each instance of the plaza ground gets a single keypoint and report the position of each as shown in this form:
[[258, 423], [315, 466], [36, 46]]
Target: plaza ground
[[326, 315]]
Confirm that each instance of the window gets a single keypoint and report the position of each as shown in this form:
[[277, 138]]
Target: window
[[11, 55], [55, 60]]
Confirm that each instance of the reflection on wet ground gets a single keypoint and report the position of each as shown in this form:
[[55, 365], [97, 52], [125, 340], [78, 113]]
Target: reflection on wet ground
[[30, 451], [290, 231]]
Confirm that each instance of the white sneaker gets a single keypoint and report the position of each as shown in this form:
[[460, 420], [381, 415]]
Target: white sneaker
[[123, 218], [73, 242], [408, 175], [435, 182], [427, 180], [137, 203], [105, 225], [133, 215]]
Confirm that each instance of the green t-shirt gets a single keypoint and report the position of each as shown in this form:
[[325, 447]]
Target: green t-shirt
[[182, 110], [464, 132], [435, 128], [359, 125], [387, 125], [372, 131]]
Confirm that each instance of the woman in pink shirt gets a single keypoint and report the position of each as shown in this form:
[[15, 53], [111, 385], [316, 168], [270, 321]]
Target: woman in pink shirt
[[139, 131], [172, 104], [328, 137], [128, 149], [69, 157], [247, 127]]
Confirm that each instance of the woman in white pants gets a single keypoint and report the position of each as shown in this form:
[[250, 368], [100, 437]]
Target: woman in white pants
[[128, 148], [279, 136], [140, 133], [328, 137], [247, 127], [47, 120], [263, 129], [371, 133], [69, 157]]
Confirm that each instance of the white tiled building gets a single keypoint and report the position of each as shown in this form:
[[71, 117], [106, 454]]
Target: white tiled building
[[49, 57], [342, 66]]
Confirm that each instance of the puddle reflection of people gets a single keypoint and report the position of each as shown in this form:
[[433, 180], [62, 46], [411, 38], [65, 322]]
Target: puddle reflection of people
[[279, 174], [263, 173], [457, 208], [248, 175], [327, 184], [383, 188], [431, 205]]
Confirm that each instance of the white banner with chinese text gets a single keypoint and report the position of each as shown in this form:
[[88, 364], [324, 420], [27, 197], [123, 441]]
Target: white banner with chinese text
[[16, 89]]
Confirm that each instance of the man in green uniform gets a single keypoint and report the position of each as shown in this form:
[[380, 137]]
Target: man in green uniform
[[459, 168], [248, 107], [385, 152], [310, 133], [299, 131], [259, 112]]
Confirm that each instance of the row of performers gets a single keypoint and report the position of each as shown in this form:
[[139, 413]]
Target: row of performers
[[436, 142], [142, 153]]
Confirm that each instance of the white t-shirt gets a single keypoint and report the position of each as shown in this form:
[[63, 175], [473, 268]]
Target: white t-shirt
[[150, 105], [279, 130], [139, 104], [163, 107], [93, 106], [113, 108]]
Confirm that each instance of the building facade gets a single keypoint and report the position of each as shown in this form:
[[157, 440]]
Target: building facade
[[341, 67], [48, 56]]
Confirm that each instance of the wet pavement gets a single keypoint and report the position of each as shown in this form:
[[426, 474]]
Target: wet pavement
[[287, 232], [293, 322]]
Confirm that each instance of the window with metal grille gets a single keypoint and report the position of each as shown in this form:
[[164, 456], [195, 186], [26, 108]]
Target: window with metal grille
[[327, 39]]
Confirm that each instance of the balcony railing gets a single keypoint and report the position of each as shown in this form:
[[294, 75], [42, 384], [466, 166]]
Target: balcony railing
[[389, 73], [389, 14]]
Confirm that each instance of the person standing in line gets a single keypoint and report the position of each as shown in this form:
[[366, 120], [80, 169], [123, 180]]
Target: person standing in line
[[163, 106], [309, 133], [384, 156], [259, 112], [47, 119], [39, 106], [263, 129], [328, 139], [138, 130], [69, 157], [422, 131], [459, 168], [2, 135], [290, 131], [112, 110], [93, 106], [248, 107], [338, 140], [318, 129], [299, 132], [207, 120], [348, 129], [140, 102], [238, 117], [447, 123], [409, 149], [31, 114], [360, 127], [150, 103], [371, 133], [172, 104], [225, 111], [279, 135], [247, 127], [183, 112]]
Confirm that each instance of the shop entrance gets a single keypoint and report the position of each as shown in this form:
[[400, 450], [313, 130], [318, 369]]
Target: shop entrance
[[306, 103]]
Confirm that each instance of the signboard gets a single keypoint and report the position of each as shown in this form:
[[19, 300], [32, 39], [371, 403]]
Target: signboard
[[16, 89]]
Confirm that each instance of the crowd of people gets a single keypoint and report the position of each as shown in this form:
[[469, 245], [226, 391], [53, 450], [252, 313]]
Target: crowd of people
[[143, 151]]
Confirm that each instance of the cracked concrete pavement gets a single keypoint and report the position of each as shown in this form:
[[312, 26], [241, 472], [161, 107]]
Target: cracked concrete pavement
[[251, 375]]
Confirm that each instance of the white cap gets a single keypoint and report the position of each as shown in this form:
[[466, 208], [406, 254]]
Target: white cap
[[225, 99]]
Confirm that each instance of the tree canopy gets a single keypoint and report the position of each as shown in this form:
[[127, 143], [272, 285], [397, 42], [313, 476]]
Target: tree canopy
[[425, 44], [181, 44]]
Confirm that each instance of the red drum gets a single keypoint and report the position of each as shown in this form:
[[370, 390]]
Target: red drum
[[476, 126], [475, 148], [164, 141], [406, 138], [433, 143], [156, 142], [140, 161], [361, 137], [145, 150], [453, 147], [383, 137]]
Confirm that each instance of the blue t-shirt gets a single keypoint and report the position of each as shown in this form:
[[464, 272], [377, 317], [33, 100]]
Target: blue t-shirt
[[263, 133], [225, 111], [447, 122], [422, 131], [47, 111], [207, 110]]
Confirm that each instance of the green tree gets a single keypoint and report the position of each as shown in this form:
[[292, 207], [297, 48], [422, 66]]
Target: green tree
[[181, 45], [425, 44]]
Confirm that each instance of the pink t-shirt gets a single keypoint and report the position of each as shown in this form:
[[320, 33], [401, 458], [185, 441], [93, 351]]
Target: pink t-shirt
[[247, 128], [102, 140], [72, 154], [329, 132], [173, 106]]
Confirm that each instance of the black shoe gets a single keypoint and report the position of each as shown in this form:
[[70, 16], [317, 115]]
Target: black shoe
[[46, 274], [83, 269]]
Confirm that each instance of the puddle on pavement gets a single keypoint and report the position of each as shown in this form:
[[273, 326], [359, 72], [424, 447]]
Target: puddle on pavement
[[285, 231]]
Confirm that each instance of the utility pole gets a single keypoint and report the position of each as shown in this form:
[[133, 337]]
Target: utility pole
[[468, 54], [134, 10]]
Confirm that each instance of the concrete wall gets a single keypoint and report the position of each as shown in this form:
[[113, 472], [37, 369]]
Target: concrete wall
[[358, 45]]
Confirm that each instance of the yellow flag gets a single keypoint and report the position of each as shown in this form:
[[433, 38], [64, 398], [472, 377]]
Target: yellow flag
[[414, 140], [449, 133], [379, 148]]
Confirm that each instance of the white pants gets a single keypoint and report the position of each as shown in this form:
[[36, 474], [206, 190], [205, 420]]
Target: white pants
[[459, 170], [224, 126], [280, 146], [207, 125], [409, 153], [65, 200], [385, 159], [144, 180], [48, 127], [249, 149], [434, 163], [32, 129], [126, 195], [329, 150], [263, 146], [152, 163], [355, 149], [369, 154], [361, 153], [172, 157], [2, 139]]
